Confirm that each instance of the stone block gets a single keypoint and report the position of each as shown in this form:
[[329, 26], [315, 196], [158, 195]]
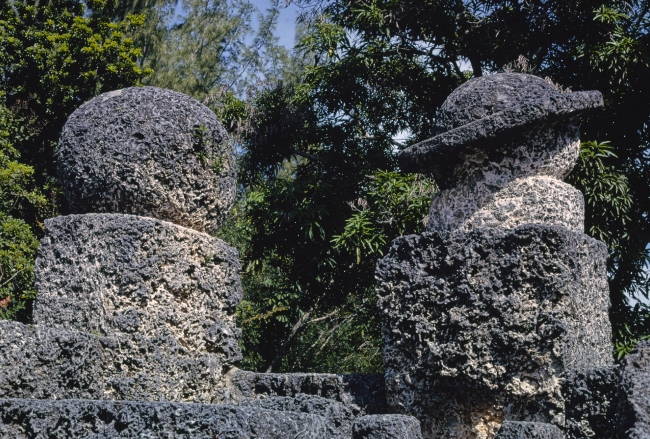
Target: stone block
[[386, 427], [150, 152], [483, 326], [113, 274], [508, 204], [634, 393], [592, 403], [51, 363], [339, 416], [529, 430], [364, 394], [38, 419]]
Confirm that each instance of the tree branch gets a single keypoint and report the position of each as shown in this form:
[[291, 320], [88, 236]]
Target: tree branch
[[325, 317], [277, 360], [11, 278], [307, 155]]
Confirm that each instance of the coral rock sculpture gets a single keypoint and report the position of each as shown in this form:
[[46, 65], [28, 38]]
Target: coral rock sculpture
[[494, 320], [486, 312], [151, 152]]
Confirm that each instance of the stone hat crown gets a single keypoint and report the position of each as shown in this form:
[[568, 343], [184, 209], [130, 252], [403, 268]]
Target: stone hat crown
[[494, 107]]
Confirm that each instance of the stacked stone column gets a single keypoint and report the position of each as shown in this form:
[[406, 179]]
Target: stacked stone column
[[486, 313], [162, 156], [146, 172]]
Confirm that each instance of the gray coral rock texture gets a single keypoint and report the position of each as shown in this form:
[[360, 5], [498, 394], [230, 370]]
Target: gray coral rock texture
[[634, 390], [592, 403], [364, 394], [512, 186], [528, 430], [51, 363], [113, 274], [481, 327], [39, 419], [339, 416], [488, 110], [532, 200], [151, 152], [386, 427]]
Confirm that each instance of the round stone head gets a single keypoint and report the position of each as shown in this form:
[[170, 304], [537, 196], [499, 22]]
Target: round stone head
[[492, 111], [150, 152]]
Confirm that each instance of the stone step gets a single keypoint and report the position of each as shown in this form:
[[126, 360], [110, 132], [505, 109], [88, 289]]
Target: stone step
[[340, 417], [76, 418], [365, 394], [529, 430], [386, 427], [40, 362]]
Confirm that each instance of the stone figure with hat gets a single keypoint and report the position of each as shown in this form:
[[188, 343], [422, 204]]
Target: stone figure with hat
[[486, 313]]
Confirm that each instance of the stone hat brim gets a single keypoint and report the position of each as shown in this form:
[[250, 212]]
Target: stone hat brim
[[427, 155]]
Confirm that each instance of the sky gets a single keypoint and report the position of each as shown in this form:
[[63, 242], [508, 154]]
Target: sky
[[286, 27]]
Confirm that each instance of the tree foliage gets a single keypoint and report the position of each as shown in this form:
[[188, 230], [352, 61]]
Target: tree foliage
[[53, 58], [17, 241], [212, 50]]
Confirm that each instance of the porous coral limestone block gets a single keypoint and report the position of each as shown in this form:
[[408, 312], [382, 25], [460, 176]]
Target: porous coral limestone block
[[529, 430], [386, 427], [482, 327], [112, 274], [532, 200], [151, 152], [123, 419], [634, 394], [517, 183], [38, 362]]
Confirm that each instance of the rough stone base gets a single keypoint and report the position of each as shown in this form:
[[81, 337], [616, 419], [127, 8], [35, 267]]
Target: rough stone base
[[363, 394], [38, 419], [112, 274], [54, 364], [481, 327], [39, 362], [529, 430], [611, 402], [633, 420], [592, 403], [339, 416], [386, 427]]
